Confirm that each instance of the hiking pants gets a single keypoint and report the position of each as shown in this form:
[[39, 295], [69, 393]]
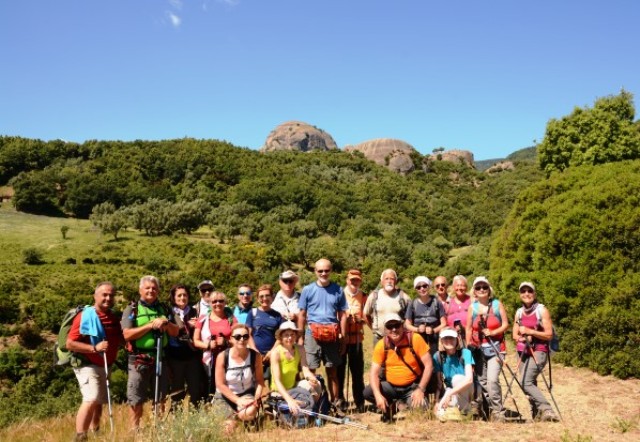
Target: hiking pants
[[354, 358], [529, 372], [488, 371]]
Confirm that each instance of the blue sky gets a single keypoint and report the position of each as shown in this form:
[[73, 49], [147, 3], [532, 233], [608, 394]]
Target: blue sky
[[484, 76]]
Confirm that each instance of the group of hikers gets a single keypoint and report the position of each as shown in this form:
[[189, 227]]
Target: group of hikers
[[443, 349]]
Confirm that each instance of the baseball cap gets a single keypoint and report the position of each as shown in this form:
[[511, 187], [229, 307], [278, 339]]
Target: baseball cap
[[354, 274], [205, 283], [392, 317], [421, 279], [448, 333], [527, 284]]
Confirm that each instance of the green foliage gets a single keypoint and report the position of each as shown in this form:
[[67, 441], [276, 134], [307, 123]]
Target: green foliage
[[577, 236], [32, 256], [64, 230], [603, 134]]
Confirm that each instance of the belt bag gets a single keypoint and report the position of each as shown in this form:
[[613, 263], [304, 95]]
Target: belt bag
[[324, 333]]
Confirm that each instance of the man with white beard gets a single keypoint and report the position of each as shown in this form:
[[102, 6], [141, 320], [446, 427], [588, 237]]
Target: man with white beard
[[388, 299]]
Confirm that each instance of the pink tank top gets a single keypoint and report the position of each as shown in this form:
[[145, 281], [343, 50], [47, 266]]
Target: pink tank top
[[531, 321], [458, 311]]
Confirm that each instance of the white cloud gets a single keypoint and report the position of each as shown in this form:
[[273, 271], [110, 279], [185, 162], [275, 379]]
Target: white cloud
[[176, 21]]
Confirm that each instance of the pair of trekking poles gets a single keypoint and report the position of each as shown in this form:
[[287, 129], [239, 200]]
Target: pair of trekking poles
[[503, 363]]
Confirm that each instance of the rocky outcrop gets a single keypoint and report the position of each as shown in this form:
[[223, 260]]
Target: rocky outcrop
[[454, 156], [298, 136], [501, 166], [388, 152]]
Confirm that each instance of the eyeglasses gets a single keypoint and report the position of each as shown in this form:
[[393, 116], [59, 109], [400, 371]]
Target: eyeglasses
[[249, 293], [264, 296], [393, 325], [323, 271], [288, 281], [440, 285], [423, 286], [355, 281], [206, 290], [481, 288], [241, 337], [218, 301], [526, 290]]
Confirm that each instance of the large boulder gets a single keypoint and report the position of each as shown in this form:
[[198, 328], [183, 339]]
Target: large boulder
[[500, 167], [298, 136], [391, 153], [454, 156]]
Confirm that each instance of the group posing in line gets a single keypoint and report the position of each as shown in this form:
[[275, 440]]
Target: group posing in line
[[445, 348]]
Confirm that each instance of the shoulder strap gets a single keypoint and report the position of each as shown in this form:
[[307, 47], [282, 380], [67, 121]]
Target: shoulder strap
[[226, 359], [474, 310], [495, 306], [519, 315], [539, 313]]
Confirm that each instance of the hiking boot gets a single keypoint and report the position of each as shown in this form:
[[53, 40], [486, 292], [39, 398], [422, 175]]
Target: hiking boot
[[81, 437], [548, 416]]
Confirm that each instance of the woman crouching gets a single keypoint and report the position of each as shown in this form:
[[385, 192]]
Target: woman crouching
[[455, 363], [239, 379]]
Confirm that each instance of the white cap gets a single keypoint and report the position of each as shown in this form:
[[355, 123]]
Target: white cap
[[392, 317], [421, 279], [527, 284], [448, 333]]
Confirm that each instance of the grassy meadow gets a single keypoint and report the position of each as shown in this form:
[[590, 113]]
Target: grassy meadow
[[595, 408]]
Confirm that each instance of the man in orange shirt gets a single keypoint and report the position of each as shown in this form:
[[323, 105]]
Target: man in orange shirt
[[408, 367], [354, 357]]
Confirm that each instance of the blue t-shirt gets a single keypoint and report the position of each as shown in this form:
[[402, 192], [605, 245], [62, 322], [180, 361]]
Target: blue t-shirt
[[323, 303], [264, 326], [452, 365], [241, 314]]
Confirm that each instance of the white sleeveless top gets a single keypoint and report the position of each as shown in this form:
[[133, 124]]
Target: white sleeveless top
[[239, 376]]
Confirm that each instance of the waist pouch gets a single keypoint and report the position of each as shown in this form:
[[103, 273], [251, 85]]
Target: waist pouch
[[324, 333]]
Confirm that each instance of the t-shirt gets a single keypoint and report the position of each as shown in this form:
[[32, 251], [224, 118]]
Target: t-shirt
[[285, 305], [263, 327], [396, 372], [113, 332], [452, 365], [383, 304], [420, 313], [322, 304], [241, 314]]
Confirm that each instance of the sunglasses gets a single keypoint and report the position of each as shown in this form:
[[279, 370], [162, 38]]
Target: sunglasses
[[249, 293], [264, 296], [241, 337], [482, 288], [440, 285], [423, 286], [323, 271], [206, 290], [288, 281], [218, 301], [526, 290], [393, 325]]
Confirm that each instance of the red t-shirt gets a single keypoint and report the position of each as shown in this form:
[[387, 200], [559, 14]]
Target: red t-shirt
[[113, 332]]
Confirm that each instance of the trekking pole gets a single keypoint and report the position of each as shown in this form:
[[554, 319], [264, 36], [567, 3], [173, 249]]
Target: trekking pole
[[509, 391], [341, 421], [210, 372], [548, 385], [348, 370], [158, 373], [106, 373]]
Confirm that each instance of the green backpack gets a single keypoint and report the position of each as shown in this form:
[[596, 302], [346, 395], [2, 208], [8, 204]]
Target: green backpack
[[62, 356]]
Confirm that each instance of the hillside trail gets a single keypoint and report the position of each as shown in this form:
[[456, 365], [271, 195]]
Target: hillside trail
[[594, 408]]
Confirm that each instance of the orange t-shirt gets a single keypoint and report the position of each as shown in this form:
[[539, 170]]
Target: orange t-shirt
[[396, 372]]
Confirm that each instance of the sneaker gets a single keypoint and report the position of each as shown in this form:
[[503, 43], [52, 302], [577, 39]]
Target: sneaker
[[549, 416]]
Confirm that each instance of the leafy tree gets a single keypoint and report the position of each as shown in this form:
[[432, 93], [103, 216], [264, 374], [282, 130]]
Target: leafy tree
[[602, 134]]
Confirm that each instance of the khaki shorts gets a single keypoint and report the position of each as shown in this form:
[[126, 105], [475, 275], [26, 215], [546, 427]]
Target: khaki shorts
[[93, 383]]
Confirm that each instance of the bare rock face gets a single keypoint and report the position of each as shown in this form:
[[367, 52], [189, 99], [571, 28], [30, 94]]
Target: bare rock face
[[393, 154], [501, 166], [454, 156], [298, 136]]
